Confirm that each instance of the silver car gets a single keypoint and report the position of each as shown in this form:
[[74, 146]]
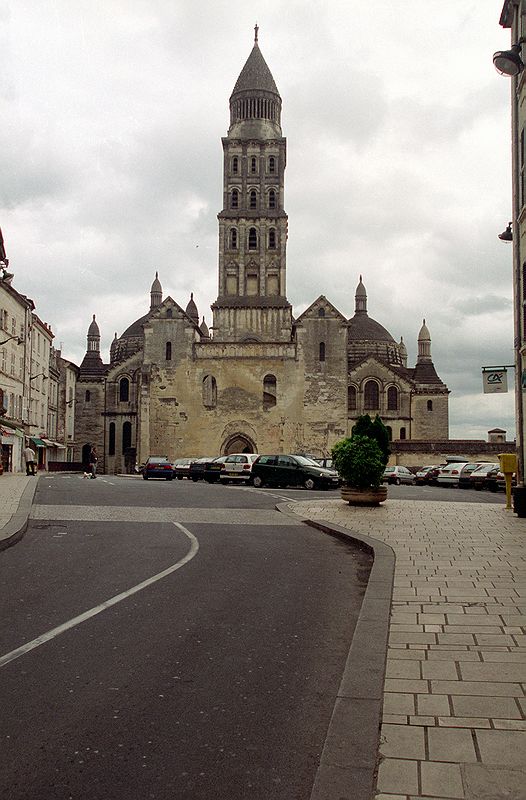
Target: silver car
[[398, 475]]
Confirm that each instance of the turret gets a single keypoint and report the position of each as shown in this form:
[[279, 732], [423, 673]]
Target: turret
[[424, 345], [156, 293]]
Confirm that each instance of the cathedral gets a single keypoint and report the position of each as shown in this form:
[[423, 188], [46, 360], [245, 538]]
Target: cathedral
[[260, 380]]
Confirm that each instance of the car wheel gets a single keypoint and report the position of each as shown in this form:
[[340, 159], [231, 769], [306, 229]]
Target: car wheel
[[308, 483], [179, 477], [396, 481], [257, 481], [195, 480], [492, 487], [144, 477], [169, 478]]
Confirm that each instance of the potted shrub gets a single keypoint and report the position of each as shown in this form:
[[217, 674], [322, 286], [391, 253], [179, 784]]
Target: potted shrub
[[360, 463]]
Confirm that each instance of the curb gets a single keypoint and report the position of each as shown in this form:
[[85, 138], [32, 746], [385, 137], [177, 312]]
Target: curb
[[349, 760], [17, 525]]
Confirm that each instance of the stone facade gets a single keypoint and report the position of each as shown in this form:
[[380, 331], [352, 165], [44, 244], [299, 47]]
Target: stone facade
[[264, 381]]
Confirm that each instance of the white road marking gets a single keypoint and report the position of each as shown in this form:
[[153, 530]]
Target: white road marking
[[66, 626]]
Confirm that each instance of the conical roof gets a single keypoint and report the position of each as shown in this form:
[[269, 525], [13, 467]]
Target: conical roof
[[191, 310], [255, 75], [424, 334], [156, 285]]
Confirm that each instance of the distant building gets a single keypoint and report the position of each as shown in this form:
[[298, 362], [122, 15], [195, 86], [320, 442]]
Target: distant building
[[260, 380]]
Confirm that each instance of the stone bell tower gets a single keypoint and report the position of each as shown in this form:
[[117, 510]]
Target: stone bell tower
[[251, 303]]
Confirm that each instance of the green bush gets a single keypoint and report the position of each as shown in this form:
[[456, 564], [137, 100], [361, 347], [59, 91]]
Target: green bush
[[376, 430], [360, 461]]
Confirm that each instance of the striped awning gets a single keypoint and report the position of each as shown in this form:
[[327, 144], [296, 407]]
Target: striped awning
[[38, 442]]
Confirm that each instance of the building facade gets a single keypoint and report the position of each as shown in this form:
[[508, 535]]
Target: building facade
[[264, 381], [513, 16]]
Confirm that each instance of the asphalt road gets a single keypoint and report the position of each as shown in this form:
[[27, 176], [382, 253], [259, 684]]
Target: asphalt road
[[194, 643]]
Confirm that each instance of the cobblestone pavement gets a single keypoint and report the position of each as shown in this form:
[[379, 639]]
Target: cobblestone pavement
[[454, 711]]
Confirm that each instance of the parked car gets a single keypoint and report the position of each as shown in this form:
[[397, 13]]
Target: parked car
[[465, 474], [428, 475], [212, 469], [237, 467], [287, 470], [324, 462], [485, 477], [398, 475], [198, 466], [182, 467], [449, 475], [158, 467]]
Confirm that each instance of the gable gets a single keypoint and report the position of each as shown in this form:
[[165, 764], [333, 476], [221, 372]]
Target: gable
[[323, 305]]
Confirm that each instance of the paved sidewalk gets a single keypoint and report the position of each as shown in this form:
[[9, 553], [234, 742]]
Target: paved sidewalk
[[16, 495], [454, 697]]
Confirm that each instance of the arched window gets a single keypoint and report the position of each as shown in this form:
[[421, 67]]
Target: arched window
[[234, 199], [233, 238], [168, 354], [126, 436], [87, 396], [322, 351], [111, 439], [124, 390], [429, 405], [272, 199], [389, 432], [272, 239], [253, 164], [371, 396], [169, 313], [351, 398], [271, 164], [392, 399], [253, 201], [209, 391], [269, 391], [235, 165], [321, 312], [252, 239], [402, 433]]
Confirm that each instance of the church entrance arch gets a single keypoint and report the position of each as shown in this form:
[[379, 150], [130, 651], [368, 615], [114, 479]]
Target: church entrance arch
[[238, 443]]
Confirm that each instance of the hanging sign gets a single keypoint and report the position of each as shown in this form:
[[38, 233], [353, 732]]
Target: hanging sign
[[495, 380]]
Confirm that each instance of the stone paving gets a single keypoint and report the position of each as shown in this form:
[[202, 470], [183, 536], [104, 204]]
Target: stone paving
[[454, 712]]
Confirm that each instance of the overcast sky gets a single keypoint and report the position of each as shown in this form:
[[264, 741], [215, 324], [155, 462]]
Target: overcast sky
[[398, 165]]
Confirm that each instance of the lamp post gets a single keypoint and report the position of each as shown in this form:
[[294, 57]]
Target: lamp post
[[510, 63]]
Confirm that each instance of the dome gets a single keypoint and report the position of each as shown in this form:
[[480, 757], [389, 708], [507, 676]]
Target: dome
[[93, 329], [424, 334], [156, 285]]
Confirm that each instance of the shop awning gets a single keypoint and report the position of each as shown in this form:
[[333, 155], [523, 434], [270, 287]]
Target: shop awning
[[51, 443], [11, 429], [7, 432], [38, 442]]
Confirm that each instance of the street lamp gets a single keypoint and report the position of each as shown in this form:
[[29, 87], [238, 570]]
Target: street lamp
[[509, 62], [40, 374], [19, 340], [507, 235]]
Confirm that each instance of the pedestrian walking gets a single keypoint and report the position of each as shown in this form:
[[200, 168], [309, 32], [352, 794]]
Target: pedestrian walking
[[29, 458], [93, 463]]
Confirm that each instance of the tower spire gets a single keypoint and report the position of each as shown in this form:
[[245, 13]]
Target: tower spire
[[256, 29]]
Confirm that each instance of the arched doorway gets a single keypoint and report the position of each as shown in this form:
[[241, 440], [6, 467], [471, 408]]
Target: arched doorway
[[238, 443]]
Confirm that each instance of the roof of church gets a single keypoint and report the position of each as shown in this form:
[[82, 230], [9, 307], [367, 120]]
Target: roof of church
[[363, 327], [255, 74], [425, 372], [251, 302], [135, 329]]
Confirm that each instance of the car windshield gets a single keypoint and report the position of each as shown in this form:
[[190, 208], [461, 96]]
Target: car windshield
[[389, 469]]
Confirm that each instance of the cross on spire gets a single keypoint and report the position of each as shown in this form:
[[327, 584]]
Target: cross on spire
[[256, 29]]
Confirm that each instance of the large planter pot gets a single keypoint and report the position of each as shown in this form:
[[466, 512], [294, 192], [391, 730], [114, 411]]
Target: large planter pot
[[364, 497]]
